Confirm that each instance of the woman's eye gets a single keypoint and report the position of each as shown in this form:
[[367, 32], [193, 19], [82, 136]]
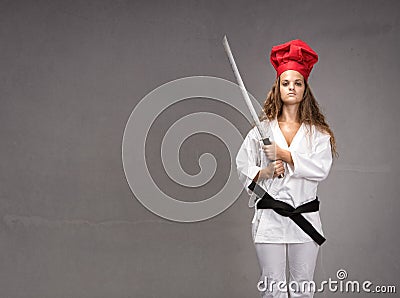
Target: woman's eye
[[284, 84], [299, 84]]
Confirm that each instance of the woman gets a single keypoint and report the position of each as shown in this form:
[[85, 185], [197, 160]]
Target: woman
[[301, 151]]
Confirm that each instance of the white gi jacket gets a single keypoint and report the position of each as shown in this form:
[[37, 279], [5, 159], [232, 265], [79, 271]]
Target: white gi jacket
[[312, 158]]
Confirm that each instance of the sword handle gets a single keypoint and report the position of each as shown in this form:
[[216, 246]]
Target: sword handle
[[266, 141]]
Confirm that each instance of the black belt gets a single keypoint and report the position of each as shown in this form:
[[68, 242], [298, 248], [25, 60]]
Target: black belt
[[284, 209]]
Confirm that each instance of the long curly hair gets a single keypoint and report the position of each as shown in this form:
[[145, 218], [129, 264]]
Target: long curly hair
[[308, 112]]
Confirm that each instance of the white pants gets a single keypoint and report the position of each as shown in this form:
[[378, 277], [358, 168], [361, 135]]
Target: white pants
[[301, 259]]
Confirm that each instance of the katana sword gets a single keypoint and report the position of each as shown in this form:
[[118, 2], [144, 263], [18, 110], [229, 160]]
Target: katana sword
[[260, 128]]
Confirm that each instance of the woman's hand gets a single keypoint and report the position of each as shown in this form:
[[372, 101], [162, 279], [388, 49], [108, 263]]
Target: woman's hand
[[274, 169], [274, 152]]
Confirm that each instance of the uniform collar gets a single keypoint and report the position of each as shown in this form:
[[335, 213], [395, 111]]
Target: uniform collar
[[280, 138]]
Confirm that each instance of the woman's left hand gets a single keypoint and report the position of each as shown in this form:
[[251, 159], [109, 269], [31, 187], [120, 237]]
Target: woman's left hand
[[273, 151]]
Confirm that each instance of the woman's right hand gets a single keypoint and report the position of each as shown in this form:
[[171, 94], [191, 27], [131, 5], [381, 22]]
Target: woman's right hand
[[274, 169]]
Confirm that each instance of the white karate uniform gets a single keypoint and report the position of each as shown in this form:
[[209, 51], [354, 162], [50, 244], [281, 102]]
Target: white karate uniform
[[312, 158]]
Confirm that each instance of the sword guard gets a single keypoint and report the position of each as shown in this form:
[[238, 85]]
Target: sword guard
[[266, 141]]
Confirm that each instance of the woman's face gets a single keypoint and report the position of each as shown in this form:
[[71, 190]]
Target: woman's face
[[291, 87]]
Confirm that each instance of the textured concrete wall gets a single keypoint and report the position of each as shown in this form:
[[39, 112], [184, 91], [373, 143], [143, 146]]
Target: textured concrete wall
[[71, 73]]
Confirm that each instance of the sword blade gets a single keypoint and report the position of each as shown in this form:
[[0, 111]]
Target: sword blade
[[246, 97], [260, 128]]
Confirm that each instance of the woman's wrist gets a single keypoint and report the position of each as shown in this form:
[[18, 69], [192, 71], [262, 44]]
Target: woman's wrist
[[286, 156]]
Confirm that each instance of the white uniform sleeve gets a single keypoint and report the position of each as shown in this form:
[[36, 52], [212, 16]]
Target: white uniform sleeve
[[248, 162], [313, 165]]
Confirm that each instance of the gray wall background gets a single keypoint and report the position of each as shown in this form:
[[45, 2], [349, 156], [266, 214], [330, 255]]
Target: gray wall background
[[71, 73]]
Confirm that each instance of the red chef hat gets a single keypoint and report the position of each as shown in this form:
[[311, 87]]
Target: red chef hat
[[295, 55]]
